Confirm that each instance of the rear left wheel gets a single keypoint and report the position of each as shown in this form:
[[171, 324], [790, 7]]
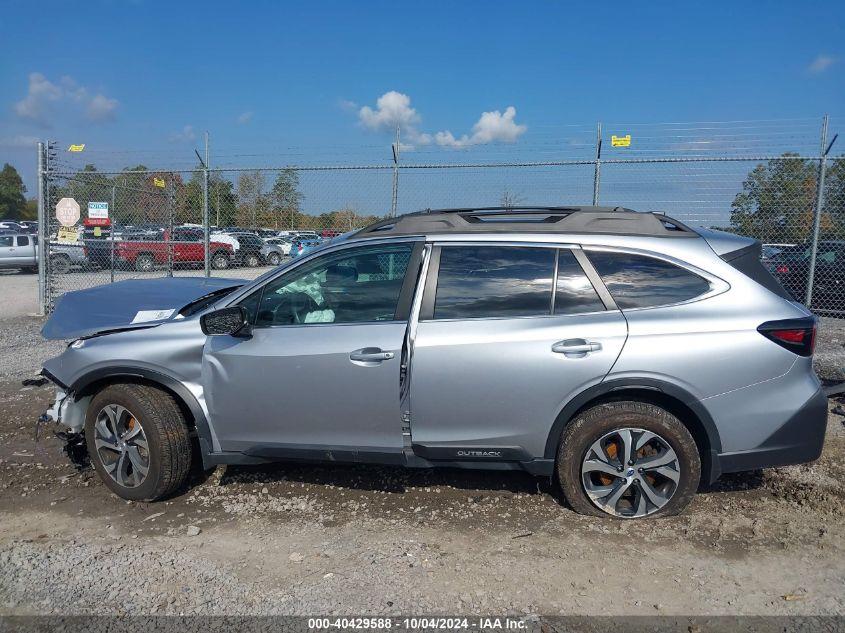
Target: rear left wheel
[[628, 460], [138, 441]]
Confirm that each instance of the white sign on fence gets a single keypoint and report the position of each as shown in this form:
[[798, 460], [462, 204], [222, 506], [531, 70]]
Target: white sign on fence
[[98, 210]]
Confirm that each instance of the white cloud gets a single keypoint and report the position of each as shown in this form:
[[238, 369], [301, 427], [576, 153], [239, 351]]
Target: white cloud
[[244, 118], [820, 64], [186, 135], [43, 97], [347, 105], [490, 127], [394, 108]]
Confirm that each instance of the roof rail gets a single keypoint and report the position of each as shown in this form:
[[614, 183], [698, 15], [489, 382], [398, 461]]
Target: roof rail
[[539, 219]]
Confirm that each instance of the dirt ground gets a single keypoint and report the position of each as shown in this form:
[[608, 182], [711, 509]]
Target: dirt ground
[[353, 540]]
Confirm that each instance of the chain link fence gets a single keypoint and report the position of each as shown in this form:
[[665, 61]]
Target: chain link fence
[[146, 223]]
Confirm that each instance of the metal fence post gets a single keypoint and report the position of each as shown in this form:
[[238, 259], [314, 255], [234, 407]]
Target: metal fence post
[[394, 200], [597, 173], [43, 246], [111, 232], [170, 226], [817, 213], [206, 241]]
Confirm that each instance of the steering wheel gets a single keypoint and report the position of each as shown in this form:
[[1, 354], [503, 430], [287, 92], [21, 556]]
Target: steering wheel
[[293, 307]]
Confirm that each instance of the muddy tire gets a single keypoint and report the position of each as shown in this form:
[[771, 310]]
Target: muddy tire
[[144, 263], [138, 441], [219, 261], [627, 460]]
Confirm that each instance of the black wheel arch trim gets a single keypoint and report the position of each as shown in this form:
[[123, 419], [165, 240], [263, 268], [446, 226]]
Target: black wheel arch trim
[[168, 382], [620, 385]]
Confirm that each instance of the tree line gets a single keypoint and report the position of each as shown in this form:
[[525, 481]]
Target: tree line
[[138, 195]]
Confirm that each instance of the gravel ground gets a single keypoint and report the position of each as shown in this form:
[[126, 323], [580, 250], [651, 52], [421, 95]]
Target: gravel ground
[[295, 539]]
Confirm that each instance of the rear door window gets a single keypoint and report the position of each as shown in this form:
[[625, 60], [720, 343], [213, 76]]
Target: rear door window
[[494, 281], [639, 281], [23, 240]]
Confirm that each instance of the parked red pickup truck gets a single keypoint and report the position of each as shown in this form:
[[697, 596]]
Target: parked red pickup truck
[[144, 252]]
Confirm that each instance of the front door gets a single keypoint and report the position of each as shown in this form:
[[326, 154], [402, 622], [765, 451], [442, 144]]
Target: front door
[[321, 370], [506, 336]]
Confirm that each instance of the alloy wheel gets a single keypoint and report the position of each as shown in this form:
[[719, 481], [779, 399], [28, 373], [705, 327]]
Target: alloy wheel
[[122, 445], [630, 472]]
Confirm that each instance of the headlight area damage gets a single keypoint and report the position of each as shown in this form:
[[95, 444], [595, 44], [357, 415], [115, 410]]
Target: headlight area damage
[[103, 310], [69, 413]]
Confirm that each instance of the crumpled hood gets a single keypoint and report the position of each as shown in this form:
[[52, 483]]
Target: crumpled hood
[[127, 304]]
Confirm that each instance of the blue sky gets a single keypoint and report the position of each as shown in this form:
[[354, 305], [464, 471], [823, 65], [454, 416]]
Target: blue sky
[[284, 82]]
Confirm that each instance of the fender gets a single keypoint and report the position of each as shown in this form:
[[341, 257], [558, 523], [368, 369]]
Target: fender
[[620, 385], [156, 377]]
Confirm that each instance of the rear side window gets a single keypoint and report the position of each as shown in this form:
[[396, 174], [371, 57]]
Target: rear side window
[[494, 281], [23, 240], [638, 281]]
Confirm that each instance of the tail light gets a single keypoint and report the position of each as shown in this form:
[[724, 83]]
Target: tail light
[[796, 335], [783, 270]]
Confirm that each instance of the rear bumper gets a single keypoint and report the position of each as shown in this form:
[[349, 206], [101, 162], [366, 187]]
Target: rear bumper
[[798, 441]]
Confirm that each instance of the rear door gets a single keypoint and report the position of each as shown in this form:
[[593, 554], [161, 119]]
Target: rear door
[[507, 334], [24, 250], [7, 251]]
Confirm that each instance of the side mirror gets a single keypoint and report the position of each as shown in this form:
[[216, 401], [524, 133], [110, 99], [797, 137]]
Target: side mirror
[[231, 321]]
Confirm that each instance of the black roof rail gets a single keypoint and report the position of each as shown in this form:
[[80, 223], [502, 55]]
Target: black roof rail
[[535, 219]]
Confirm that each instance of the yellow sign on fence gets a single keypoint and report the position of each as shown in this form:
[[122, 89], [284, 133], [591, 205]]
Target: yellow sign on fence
[[620, 141], [76, 148], [159, 182], [67, 235]]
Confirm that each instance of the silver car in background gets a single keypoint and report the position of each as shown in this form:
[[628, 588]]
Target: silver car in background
[[623, 354]]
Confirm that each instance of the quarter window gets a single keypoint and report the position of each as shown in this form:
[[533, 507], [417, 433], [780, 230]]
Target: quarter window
[[493, 281], [638, 281], [352, 286]]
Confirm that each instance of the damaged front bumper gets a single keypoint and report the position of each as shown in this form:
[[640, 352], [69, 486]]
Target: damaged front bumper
[[68, 413]]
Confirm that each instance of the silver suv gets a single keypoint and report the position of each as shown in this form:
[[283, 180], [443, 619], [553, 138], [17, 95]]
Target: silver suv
[[623, 354]]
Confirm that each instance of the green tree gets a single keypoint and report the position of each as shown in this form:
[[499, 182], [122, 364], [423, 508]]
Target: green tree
[[286, 200], [12, 190], [778, 200]]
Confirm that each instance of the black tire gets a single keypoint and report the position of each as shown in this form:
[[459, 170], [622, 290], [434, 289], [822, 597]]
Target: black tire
[[220, 260], [592, 424], [60, 264], [274, 259], [252, 260], [166, 433], [145, 263]]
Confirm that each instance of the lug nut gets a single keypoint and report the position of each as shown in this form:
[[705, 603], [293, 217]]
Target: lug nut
[[639, 470], [630, 462]]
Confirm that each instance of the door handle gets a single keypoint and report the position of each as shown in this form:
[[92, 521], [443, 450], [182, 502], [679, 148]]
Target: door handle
[[370, 355], [576, 347]]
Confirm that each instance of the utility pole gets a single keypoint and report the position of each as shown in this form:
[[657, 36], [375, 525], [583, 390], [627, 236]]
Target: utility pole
[[395, 197]]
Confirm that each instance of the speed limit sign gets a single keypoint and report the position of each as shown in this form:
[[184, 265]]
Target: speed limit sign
[[67, 211]]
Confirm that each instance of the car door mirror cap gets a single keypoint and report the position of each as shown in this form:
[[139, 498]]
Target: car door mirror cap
[[230, 321]]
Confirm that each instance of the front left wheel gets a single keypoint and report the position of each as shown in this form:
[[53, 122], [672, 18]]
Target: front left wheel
[[138, 441]]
